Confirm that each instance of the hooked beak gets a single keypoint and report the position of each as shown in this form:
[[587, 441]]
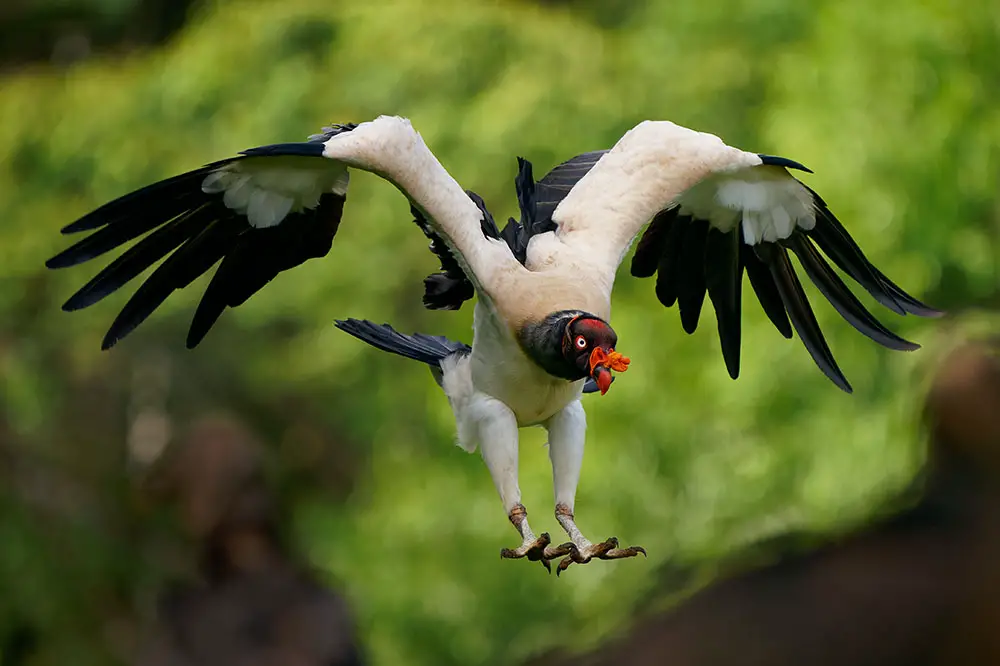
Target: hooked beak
[[602, 362]]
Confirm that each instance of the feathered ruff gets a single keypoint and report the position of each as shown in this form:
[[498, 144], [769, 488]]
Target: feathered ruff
[[689, 258]]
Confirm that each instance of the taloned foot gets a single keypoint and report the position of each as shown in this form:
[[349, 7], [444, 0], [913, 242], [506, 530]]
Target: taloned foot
[[534, 549], [605, 550], [580, 551]]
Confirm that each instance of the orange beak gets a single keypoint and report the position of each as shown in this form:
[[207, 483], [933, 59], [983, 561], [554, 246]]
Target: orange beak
[[602, 363]]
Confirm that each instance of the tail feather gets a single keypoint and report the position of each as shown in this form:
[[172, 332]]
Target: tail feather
[[429, 349]]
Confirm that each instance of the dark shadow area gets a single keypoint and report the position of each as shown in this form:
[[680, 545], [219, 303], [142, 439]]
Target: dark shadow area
[[253, 601], [67, 32]]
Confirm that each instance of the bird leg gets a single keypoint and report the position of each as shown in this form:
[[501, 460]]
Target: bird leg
[[498, 437], [567, 433], [536, 549]]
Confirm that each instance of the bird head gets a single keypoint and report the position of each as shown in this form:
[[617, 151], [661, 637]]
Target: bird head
[[589, 344]]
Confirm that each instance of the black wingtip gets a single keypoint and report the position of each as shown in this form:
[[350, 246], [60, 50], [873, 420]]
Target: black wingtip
[[773, 160], [59, 261], [724, 280], [837, 293], [109, 341], [85, 223], [301, 149], [78, 301], [800, 313], [691, 275], [835, 241]]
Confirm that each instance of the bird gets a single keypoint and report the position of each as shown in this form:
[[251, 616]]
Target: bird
[[703, 214]]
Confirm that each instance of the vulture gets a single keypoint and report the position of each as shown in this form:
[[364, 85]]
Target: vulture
[[541, 334]]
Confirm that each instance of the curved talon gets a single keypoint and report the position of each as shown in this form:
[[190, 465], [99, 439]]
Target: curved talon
[[605, 550], [533, 550], [552, 552]]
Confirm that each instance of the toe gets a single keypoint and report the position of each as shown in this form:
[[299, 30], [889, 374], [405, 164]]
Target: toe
[[575, 556], [552, 552], [564, 564], [533, 550], [536, 550], [620, 553]]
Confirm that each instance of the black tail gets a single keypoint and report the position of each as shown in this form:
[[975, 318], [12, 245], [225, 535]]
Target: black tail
[[429, 349]]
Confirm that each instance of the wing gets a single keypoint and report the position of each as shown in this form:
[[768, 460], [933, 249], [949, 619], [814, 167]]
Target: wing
[[538, 200], [449, 288], [263, 212], [716, 213]]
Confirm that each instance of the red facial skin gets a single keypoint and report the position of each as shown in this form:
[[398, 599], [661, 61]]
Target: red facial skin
[[593, 343]]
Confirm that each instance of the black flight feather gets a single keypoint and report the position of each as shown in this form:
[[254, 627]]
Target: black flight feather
[[517, 233], [691, 274], [450, 287], [842, 252], [141, 256], [838, 244], [652, 244], [197, 230], [259, 255], [191, 259], [135, 206], [487, 224], [724, 280], [773, 160], [799, 311], [842, 299], [557, 183], [689, 258], [667, 269], [909, 303], [766, 290], [128, 217], [301, 149]]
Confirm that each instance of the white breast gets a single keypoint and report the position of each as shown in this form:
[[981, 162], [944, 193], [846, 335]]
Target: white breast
[[501, 369]]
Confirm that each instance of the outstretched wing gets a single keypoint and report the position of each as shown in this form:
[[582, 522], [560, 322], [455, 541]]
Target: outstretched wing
[[716, 213], [262, 212]]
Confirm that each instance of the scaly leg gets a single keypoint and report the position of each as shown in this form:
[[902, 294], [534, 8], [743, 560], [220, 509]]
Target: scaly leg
[[498, 442], [567, 433]]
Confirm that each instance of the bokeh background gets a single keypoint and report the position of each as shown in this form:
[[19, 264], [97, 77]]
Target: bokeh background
[[134, 480]]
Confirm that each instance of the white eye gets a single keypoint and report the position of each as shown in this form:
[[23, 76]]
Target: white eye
[[581, 343]]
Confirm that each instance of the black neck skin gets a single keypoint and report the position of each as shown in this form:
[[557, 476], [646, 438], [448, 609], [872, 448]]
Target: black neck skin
[[543, 340]]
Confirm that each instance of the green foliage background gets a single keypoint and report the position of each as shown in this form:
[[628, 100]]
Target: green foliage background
[[895, 107]]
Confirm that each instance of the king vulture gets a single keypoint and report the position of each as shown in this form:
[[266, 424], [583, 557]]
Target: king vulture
[[541, 332]]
